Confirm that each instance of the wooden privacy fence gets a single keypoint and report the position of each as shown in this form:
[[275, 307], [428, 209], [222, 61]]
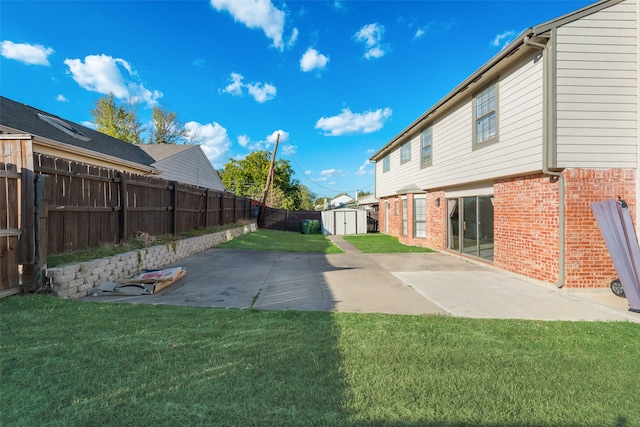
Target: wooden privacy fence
[[284, 220], [372, 221], [88, 205], [9, 231]]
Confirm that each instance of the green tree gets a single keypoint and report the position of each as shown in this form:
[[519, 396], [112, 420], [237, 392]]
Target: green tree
[[118, 121], [166, 128], [307, 198], [248, 177]]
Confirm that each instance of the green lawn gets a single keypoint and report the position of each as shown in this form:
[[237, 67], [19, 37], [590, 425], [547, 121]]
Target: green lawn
[[381, 243], [65, 363], [285, 241]]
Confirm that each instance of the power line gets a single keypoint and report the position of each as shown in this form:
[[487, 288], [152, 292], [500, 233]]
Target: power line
[[300, 169]]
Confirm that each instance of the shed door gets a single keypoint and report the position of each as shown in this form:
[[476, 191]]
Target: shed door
[[345, 222]]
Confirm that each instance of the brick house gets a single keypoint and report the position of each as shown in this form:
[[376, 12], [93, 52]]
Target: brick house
[[505, 166]]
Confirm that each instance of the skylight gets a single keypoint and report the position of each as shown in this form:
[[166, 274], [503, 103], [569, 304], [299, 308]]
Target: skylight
[[63, 126]]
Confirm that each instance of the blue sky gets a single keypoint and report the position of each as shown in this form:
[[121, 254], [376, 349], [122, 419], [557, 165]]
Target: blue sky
[[335, 79]]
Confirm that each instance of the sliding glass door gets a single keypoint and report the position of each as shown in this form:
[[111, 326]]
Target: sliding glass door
[[471, 226]]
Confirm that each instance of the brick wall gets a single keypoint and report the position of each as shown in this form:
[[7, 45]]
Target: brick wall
[[526, 224], [588, 263], [436, 220]]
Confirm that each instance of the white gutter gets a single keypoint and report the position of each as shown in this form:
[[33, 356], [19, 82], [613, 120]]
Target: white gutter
[[549, 141]]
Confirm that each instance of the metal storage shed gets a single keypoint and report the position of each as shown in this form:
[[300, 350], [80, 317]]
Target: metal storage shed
[[344, 221]]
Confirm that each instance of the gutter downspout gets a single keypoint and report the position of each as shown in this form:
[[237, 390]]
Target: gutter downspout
[[548, 139]]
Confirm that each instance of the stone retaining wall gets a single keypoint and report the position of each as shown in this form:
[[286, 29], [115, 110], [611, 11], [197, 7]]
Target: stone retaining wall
[[75, 281]]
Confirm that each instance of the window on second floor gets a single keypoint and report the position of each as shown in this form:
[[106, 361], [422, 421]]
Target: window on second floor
[[426, 145], [485, 116], [405, 152], [386, 163]]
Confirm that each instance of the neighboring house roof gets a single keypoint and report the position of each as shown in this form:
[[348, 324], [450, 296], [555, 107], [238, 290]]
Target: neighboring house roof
[[341, 200], [506, 56], [369, 199], [64, 134], [184, 163]]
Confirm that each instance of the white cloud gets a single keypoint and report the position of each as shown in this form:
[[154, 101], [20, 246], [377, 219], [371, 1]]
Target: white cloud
[[294, 37], [243, 140], [103, 74], [374, 52], [348, 122], [290, 149], [268, 142], [213, 139], [33, 54], [284, 136], [371, 150], [261, 92], [61, 98], [371, 36], [90, 125], [362, 170], [503, 39], [235, 87], [435, 26], [313, 59], [307, 172], [332, 172], [260, 14]]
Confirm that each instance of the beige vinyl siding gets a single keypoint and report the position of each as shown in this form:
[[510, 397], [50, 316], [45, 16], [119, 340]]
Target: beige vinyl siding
[[399, 175], [597, 89], [518, 151], [519, 129], [190, 167]]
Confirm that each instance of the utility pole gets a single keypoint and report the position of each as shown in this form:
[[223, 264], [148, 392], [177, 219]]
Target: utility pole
[[270, 179]]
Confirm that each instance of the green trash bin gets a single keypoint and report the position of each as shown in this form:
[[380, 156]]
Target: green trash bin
[[314, 226], [306, 226]]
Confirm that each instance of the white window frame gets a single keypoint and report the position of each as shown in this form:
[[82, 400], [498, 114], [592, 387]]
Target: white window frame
[[426, 140], [405, 213], [485, 110], [423, 218], [386, 163], [405, 152]]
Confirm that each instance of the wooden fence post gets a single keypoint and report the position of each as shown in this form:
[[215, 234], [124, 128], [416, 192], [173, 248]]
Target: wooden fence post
[[9, 232], [122, 218], [27, 230], [221, 209], [174, 203], [206, 208], [42, 231]]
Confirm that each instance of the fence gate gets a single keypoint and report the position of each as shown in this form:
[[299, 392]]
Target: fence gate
[[9, 231]]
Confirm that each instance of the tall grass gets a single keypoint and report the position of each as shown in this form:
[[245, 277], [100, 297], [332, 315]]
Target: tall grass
[[65, 363]]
